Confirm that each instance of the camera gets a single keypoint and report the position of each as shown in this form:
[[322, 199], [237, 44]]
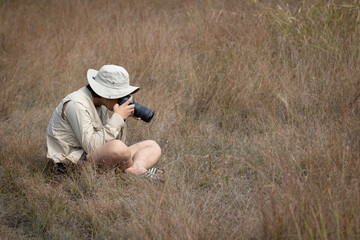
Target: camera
[[142, 112]]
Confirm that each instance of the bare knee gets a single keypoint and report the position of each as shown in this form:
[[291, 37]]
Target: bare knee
[[119, 152], [156, 148]]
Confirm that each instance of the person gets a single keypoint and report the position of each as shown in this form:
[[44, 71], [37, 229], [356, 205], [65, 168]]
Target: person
[[89, 125]]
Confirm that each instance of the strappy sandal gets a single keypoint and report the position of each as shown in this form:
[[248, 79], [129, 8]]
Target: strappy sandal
[[153, 173]]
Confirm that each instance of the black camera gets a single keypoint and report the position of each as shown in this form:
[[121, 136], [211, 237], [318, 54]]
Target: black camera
[[142, 112]]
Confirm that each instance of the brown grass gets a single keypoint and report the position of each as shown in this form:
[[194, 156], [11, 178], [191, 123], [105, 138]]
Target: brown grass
[[257, 113]]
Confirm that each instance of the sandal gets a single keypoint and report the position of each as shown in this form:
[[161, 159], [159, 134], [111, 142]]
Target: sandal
[[153, 173]]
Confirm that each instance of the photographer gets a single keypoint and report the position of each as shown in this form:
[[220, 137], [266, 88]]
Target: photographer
[[82, 129]]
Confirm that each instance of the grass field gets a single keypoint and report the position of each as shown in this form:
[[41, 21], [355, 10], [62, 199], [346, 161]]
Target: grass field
[[257, 113]]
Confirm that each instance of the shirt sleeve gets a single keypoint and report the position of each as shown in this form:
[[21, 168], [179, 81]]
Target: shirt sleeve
[[91, 136]]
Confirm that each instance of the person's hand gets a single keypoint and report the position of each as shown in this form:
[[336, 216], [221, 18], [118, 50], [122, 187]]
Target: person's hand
[[125, 110], [136, 118]]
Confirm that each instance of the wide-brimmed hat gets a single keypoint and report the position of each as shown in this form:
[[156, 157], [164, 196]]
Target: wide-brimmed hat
[[110, 82]]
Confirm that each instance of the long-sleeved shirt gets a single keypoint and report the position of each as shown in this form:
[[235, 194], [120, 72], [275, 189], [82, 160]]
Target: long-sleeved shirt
[[78, 126]]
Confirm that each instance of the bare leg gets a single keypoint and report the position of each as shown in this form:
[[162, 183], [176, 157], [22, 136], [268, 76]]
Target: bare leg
[[135, 159], [112, 154], [144, 155]]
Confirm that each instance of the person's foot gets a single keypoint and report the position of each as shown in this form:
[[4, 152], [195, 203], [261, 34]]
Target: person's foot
[[135, 170], [151, 173], [155, 171], [154, 174]]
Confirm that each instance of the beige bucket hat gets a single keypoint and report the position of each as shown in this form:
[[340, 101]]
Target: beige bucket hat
[[110, 82]]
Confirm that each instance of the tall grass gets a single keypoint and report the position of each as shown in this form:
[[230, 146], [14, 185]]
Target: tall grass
[[257, 113]]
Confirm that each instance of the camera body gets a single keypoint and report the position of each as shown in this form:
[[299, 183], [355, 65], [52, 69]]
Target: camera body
[[142, 112]]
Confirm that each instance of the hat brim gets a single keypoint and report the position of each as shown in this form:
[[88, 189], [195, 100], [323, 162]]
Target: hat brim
[[109, 93]]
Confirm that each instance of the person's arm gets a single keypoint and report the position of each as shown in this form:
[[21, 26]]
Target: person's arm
[[91, 137]]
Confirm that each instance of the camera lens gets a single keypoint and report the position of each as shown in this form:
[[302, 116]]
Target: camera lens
[[142, 112]]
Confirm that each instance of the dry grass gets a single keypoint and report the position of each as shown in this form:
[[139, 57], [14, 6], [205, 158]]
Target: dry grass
[[257, 113]]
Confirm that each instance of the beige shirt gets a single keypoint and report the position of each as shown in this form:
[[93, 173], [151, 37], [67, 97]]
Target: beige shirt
[[77, 126]]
